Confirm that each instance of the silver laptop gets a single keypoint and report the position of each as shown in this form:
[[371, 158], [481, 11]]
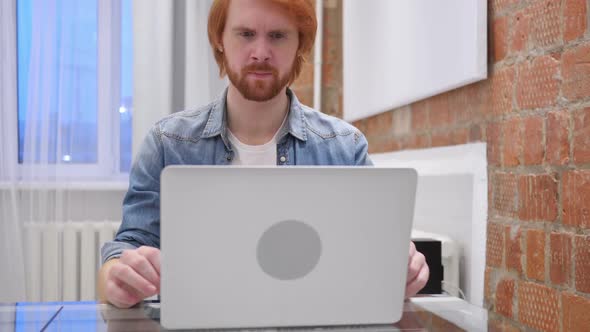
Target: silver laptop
[[284, 246]]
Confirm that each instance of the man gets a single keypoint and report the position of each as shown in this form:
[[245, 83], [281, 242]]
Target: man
[[260, 45]]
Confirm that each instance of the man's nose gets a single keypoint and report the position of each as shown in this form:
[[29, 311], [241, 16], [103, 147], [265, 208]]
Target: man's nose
[[261, 51]]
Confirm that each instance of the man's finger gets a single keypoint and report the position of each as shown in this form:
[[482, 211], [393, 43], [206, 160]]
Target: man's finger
[[418, 283], [152, 255], [120, 297], [415, 265], [144, 268], [134, 292], [412, 249], [127, 275]]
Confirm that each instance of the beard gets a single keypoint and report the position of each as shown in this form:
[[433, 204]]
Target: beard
[[257, 89]]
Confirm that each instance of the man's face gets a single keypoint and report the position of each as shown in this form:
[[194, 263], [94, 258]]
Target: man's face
[[260, 42]]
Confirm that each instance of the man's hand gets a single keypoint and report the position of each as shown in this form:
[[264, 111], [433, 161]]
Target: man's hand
[[418, 272], [126, 281]]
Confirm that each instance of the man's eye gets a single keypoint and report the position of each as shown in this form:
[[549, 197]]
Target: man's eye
[[247, 34], [277, 35]]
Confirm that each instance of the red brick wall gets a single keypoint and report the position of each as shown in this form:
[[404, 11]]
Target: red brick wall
[[534, 114], [331, 63]]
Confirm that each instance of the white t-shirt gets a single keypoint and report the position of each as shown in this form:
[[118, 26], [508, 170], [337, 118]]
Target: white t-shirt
[[255, 155]]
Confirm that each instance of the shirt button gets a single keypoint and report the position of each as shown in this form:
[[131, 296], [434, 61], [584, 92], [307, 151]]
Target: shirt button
[[283, 159]]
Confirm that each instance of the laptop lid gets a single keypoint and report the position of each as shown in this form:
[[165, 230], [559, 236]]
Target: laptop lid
[[284, 246]]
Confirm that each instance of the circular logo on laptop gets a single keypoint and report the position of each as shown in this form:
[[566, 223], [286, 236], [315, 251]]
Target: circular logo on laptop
[[289, 250]]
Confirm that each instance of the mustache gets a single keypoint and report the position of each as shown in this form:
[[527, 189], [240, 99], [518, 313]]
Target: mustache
[[260, 67]]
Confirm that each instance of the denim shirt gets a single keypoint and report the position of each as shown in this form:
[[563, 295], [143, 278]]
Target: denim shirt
[[199, 137]]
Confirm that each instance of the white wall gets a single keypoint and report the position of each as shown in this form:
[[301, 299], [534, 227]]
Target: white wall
[[398, 52], [451, 199]]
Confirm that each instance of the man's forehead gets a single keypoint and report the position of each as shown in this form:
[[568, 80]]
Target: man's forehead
[[259, 14]]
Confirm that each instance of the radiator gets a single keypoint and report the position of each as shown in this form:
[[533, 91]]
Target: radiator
[[62, 259]]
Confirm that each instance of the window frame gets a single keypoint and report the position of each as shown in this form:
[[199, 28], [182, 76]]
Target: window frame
[[108, 91]]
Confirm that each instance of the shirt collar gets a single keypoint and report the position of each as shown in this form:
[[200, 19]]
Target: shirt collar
[[217, 121]]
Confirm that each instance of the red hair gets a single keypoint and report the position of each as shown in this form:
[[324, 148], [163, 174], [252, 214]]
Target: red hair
[[302, 12]]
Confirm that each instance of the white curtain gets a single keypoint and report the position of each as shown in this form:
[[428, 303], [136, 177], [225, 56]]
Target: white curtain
[[174, 68], [35, 176], [12, 285]]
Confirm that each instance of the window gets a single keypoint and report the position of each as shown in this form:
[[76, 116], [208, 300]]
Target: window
[[74, 86], [126, 85]]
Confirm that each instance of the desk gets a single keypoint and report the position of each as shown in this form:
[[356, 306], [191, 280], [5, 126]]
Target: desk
[[440, 313]]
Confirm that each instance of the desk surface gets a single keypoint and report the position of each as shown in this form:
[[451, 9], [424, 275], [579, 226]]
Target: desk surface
[[420, 314]]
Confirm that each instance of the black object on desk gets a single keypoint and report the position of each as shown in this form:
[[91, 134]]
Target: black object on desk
[[432, 250]]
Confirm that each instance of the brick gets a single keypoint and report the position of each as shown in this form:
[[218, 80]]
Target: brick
[[535, 254], [460, 136], [492, 186], [402, 121], [305, 95], [495, 325], [380, 124], [332, 41], [510, 328], [558, 146], [582, 262], [420, 116], [361, 125], [575, 313], [379, 145], [487, 286], [505, 297], [475, 133], [512, 148], [560, 258], [440, 114], [504, 194], [332, 102], [520, 32], [330, 75], [340, 113], [575, 197], [545, 23], [494, 137], [479, 97], [575, 69], [501, 5], [502, 90], [499, 42], [513, 251], [537, 197], [465, 103], [581, 136], [538, 85], [538, 306], [574, 19], [305, 79], [441, 139], [418, 142], [495, 245], [533, 141]]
